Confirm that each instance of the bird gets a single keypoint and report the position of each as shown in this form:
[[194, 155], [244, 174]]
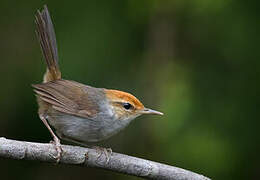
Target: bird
[[73, 111]]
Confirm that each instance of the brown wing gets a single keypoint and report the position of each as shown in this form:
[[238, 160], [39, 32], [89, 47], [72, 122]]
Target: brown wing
[[69, 97]]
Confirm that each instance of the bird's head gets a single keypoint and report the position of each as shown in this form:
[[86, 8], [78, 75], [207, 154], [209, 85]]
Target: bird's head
[[127, 106]]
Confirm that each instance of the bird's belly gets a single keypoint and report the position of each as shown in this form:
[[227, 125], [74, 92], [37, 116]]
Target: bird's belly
[[85, 130]]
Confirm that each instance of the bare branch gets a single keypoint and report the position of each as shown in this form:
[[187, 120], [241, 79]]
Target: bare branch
[[76, 155]]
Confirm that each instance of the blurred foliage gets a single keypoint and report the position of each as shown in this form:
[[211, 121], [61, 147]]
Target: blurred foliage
[[196, 61]]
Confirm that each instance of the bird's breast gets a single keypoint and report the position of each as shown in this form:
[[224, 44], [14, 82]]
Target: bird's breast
[[101, 127]]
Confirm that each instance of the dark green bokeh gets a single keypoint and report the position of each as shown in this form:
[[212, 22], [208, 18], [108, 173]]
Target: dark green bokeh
[[196, 61]]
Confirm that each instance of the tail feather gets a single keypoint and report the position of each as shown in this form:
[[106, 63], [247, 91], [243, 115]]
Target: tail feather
[[46, 36]]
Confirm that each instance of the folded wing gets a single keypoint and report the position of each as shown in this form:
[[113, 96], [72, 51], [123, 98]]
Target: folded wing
[[68, 97]]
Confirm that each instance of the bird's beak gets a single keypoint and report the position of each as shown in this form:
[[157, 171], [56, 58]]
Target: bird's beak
[[150, 111]]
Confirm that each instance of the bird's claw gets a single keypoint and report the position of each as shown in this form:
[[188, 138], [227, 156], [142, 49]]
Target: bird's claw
[[56, 143], [107, 152]]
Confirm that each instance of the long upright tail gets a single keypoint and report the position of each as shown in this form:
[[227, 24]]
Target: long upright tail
[[46, 36]]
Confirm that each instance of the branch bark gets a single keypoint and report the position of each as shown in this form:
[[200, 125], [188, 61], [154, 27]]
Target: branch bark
[[75, 155]]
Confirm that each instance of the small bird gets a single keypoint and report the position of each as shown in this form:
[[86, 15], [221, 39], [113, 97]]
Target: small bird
[[79, 113]]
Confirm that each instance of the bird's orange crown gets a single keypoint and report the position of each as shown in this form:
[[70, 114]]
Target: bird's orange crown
[[121, 96]]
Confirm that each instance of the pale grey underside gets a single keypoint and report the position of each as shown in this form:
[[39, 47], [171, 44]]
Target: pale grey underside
[[84, 130]]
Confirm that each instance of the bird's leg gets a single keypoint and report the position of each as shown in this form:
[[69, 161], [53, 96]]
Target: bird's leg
[[101, 150], [56, 140]]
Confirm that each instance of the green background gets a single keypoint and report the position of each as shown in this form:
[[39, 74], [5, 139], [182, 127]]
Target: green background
[[196, 61]]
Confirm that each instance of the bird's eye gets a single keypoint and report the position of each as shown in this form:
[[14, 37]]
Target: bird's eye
[[127, 106]]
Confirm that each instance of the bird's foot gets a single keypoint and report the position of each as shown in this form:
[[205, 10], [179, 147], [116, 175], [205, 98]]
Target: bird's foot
[[106, 151], [56, 143]]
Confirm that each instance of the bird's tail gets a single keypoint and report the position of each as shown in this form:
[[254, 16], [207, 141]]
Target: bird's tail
[[46, 36]]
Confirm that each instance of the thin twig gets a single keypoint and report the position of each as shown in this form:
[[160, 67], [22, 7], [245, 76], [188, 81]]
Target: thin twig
[[76, 155]]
